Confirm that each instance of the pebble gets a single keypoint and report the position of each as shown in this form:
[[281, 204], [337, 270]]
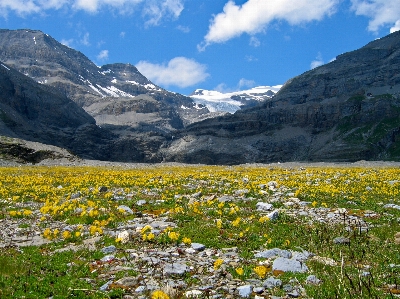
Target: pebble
[[245, 291]]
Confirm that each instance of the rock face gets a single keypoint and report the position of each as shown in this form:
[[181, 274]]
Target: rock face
[[142, 116], [36, 112], [346, 110]]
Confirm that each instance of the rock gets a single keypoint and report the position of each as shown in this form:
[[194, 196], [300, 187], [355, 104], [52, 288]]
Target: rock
[[391, 206], [245, 291], [289, 265], [141, 202], [312, 279], [103, 189], [123, 237], [341, 240], [198, 246], [109, 249], [129, 281], [107, 258], [175, 269], [262, 206], [273, 215], [272, 253], [105, 286], [272, 282], [126, 209], [193, 294]]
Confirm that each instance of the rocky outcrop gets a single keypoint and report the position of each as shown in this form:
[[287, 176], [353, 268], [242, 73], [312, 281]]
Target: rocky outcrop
[[36, 112], [346, 110]]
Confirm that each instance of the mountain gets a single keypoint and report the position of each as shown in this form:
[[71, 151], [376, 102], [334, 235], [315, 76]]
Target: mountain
[[114, 94], [141, 115], [230, 102], [36, 112], [346, 110]]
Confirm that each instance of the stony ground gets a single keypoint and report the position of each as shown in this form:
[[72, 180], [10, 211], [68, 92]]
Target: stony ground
[[164, 267]]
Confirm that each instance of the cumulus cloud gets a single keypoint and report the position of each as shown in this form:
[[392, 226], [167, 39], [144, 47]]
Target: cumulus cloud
[[179, 71], [103, 55], [254, 15], [381, 13], [317, 62], [153, 10]]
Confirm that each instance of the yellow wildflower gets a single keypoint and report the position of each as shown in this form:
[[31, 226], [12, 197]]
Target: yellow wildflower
[[159, 295], [239, 271], [145, 229], [261, 271], [173, 236], [66, 234], [13, 213], [150, 237], [263, 219], [219, 223], [218, 263], [47, 233], [187, 241], [236, 222], [27, 212]]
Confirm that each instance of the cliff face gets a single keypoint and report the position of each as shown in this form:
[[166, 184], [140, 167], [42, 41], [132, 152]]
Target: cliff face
[[37, 112], [346, 110]]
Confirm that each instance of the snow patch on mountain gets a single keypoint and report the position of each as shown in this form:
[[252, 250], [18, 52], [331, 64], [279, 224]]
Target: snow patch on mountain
[[230, 102]]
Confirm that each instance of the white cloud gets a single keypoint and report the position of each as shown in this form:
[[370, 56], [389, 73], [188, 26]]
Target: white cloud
[[317, 62], [184, 29], [255, 42], [243, 84], [156, 10], [153, 10], [250, 58], [396, 27], [246, 83], [179, 71], [381, 12], [85, 39], [103, 55], [122, 34], [254, 15]]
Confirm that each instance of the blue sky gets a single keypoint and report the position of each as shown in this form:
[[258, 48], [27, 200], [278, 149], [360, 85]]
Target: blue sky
[[219, 45]]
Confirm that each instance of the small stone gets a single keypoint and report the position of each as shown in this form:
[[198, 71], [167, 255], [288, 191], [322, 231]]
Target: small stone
[[391, 206], [140, 289], [109, 249], [258, 290], [287, 288], [273, 215], [272, 282], [245, 291], [141, 202], [128, 281], [175, 269], [123, 236], [107, 258], [198, 246], [126, 209], [289, 265], [103, 189], [341, 240], [193, 294], [105, 286], [263, 206], [274, 252], [312, 279], [294, 294]]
